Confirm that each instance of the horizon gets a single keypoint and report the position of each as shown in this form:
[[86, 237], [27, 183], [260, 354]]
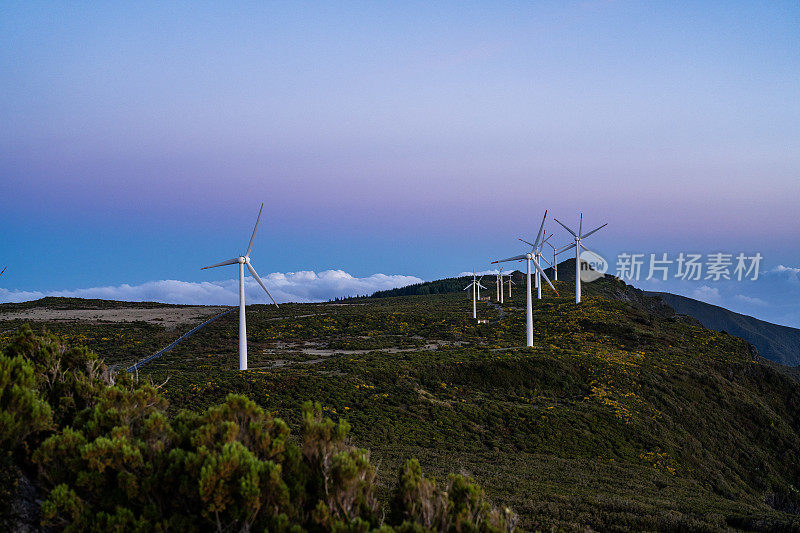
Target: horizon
[[394, 143]]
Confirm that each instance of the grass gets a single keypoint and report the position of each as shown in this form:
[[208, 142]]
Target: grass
[[620, 417]]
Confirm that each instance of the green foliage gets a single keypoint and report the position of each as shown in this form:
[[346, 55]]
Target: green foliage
[[460, 506], [22, 410], [114, 459]]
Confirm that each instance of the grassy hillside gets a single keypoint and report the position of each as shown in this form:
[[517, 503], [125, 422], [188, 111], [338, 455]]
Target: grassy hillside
[[777, 343], [622, 416]]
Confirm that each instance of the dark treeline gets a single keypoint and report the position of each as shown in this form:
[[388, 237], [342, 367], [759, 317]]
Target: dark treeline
[[440, 286]]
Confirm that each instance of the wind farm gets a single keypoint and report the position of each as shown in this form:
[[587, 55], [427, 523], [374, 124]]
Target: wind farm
[[346, 369]]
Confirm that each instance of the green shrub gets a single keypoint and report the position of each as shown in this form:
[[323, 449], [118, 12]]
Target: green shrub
[[113, 459]]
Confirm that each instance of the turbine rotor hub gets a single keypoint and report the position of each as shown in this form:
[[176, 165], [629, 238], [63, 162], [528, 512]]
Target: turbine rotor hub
[[242, 260]]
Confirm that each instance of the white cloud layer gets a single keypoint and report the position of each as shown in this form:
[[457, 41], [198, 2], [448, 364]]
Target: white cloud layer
[[707, 294], [303, 287], [792, 273], [750, 300]]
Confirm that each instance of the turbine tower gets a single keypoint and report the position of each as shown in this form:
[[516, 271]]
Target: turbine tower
[[476, 288], [577, 245], [529, 304], [555, 262], [536, 251], [510, 283], [245, 260], [500, 284]]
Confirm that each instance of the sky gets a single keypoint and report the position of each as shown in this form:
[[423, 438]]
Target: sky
[[391, 141]]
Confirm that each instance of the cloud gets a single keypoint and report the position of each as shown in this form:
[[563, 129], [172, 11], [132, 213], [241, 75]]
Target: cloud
[[792, 273], [706, 294], [750, 300], [302, 287], [481, 273]]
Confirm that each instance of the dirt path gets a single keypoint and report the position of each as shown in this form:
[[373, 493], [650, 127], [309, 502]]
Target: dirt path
[[169, 317], [308, 348]]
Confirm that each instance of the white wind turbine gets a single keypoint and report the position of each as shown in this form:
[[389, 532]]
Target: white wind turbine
[[577, 245], [536, 250], [500, 276], [529, 304], [245, 260], [510, 283], [476, 293], [540, 257], [555, 261]]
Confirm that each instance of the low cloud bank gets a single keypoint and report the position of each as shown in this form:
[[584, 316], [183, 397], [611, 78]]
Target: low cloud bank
[[302, 287]]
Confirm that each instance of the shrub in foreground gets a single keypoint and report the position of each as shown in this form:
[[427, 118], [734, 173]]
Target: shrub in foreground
[[105, 454]]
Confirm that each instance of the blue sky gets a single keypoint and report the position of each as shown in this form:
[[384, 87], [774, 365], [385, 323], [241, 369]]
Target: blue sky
[[410, 139]]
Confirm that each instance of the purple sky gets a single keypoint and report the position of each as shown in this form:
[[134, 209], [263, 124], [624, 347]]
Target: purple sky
[[138, 140]]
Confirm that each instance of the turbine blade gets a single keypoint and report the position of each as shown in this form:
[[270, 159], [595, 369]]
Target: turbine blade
[[481, 286], [250, 246], [4, 269], [515, 258], [255, 275], [580, 226], [541, 229], [228, 262], [566, 228], [546, 261], [568, 247], [597, 229], [545, 276], [584, 248], [529, 243]]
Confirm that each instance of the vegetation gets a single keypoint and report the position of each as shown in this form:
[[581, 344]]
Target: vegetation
[[440, 286], [107, 456], [622, 416]]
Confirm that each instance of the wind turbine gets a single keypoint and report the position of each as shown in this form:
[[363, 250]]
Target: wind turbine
[[510, 283], [529, 304], [476, 291], [555, 262], [536, 251], [540, 257], [577, 245], [500, 284], [245, 260]]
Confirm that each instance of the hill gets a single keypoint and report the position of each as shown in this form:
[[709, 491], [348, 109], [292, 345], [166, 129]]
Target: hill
[[622, 416], [780, 344]]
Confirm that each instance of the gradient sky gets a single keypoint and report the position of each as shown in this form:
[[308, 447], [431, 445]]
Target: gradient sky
[[138, 139]]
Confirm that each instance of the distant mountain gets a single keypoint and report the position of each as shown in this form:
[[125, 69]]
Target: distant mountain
[[780, 344]]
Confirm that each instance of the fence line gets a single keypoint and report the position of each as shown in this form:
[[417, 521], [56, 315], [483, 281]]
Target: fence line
[[186, 335]]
